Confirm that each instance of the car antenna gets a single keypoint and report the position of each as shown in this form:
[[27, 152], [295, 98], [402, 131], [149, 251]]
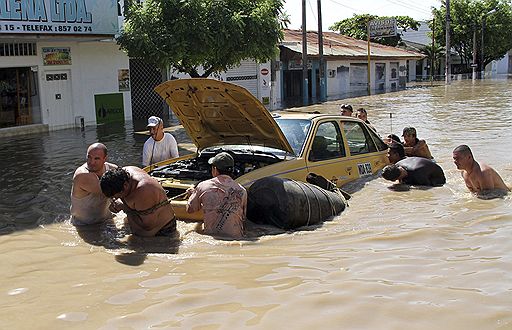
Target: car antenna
[[391, 122]]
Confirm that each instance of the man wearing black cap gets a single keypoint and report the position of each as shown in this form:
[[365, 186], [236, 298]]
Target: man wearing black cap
[[223, 201], [160, 146]]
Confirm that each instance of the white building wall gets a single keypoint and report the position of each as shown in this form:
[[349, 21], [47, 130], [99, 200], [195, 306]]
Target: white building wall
[[338, 78], [255, 77], [501, 65], [93, 70], [98, 74]]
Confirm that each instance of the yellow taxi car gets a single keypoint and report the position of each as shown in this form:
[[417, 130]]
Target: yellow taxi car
[[219, 116]]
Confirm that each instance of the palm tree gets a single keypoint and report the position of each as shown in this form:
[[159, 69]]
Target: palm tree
[[434, 53]]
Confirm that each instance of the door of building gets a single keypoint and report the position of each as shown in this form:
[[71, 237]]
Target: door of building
[[16, 92], [59, 105]]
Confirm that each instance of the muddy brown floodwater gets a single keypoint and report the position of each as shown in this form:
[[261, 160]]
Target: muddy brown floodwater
[[421, 259]]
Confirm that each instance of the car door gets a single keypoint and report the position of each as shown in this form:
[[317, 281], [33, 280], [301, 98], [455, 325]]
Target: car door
[[365, 157], [326, 152]]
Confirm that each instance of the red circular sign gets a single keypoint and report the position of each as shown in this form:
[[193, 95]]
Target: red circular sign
[[264, 71]]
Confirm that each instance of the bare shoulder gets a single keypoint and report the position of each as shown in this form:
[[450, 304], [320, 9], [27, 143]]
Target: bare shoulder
[[485, 167], [80, 171], [111, 165]]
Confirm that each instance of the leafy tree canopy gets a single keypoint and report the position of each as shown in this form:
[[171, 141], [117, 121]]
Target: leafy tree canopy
[[356, 27], [468, 16], [212, 34]]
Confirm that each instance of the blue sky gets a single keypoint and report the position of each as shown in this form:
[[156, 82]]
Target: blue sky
[[336, 10]]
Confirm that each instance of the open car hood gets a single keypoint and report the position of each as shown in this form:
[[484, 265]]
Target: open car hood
[[219, 113]]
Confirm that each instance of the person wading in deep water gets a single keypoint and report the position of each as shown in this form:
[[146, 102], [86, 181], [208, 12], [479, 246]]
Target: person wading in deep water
[[416, 171], [480, 178], [142, 198], [88, 204], [414, 146], [223, 201]]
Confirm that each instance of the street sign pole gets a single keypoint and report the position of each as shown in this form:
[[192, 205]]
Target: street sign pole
[[369, 87]]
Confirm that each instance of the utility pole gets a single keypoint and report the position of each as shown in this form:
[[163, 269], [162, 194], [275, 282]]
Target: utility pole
[[321, 69], [448, 69], [473, 65], [482, 62], [433, 53], [305, 96], [369, 75]]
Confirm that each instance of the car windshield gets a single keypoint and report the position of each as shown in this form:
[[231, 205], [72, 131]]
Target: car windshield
[[295, 131]]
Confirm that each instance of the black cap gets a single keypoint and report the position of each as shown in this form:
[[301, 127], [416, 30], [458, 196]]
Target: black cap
[[222, 161]]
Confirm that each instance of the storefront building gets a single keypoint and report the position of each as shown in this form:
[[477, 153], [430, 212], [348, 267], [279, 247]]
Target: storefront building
[[60, 65]]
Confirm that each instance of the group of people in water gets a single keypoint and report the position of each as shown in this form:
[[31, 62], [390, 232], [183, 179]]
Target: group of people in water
[[101, 188], [411, 162]]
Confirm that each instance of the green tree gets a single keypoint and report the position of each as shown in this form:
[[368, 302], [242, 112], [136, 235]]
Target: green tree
[[212, 34], [467, 16], [356, 27], [434, 54]]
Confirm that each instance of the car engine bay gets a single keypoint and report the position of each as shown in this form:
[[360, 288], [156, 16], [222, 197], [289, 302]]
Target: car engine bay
[[198, 169]]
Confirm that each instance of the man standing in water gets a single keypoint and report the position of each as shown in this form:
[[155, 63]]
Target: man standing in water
[[480, 178], [223, 201], [142, 198], [396, 152], [414, 146], [160, 146], [88, 204]]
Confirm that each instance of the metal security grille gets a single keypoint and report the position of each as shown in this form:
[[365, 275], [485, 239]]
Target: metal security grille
[[145, 101], [18, 49]]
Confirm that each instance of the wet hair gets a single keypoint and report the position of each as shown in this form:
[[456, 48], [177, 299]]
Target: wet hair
[[391, 172], [398, 148], [346, 107], [463, 149], [112, 181], [394, 138]]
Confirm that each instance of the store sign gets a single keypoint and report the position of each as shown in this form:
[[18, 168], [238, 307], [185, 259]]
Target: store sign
[[58, 17], [109, 108], [382, 28], [56, 56]]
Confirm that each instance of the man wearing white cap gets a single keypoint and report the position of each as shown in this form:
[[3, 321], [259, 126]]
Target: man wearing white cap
[[160, 146]]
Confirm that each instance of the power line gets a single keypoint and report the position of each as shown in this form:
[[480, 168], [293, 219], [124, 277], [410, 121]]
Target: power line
[[313, 13], [409, 6], [345, 6]]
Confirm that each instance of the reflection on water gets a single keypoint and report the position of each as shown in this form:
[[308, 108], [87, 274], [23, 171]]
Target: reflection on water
[[427, 259], [37, 170]]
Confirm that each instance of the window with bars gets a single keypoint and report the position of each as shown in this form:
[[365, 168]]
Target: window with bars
[[18, 49]]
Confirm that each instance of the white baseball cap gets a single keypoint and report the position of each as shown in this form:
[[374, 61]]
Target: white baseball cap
[[154, 121]]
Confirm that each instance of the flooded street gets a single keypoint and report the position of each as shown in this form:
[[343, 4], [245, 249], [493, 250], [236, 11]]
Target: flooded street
[[422, 259]]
